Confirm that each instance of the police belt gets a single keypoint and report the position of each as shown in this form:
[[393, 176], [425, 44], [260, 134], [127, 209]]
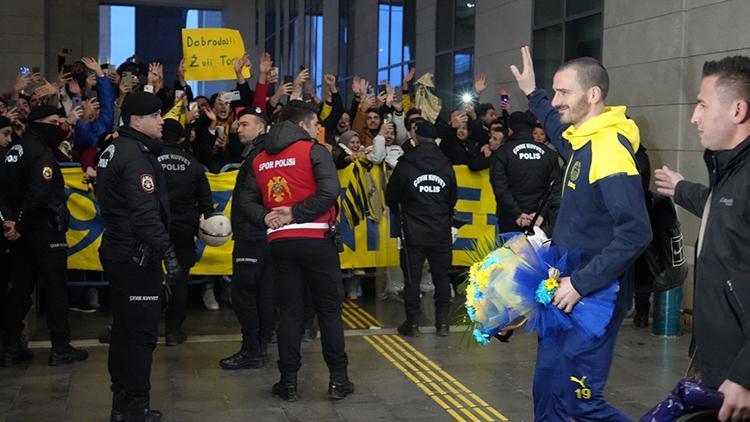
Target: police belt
[[298, 226]]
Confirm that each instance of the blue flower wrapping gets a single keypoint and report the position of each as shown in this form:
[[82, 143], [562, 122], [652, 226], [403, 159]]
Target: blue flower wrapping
[[515, 286]]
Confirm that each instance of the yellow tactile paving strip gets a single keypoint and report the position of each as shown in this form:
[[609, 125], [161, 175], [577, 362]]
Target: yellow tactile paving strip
[[460, 402], [356, 318]]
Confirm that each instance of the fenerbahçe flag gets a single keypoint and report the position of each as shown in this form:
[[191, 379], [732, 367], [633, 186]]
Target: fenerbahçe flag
[[371, 243]]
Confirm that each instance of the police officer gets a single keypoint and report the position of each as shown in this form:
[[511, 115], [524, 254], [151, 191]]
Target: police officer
[[252, 281], [423, 187], [6, 131], [293, 190], [134, 201], [36, 224], [190, 194], [521, 172]]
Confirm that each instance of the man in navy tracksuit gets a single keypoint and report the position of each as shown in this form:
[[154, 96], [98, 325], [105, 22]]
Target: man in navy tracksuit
[[602, 214]]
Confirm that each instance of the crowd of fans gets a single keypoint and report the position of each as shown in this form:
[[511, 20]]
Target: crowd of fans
[[372, 130]]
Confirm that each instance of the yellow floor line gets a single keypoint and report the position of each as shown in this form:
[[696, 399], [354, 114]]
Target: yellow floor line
[[447, 392], [357, 319], [348, 322], [374, 321]]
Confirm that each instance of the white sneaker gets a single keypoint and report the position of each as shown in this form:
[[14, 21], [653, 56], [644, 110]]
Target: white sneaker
[[209, 299]]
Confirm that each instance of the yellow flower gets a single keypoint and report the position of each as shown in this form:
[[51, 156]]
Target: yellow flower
[[551, 284]]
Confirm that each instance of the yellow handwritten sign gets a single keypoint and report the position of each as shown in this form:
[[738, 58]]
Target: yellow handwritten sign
[[210, 53]]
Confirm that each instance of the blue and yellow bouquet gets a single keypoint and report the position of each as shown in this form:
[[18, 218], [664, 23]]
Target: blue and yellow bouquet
[[517, 281]]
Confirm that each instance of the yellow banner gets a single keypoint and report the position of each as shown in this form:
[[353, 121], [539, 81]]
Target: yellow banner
[[210, 53], [369, 244]]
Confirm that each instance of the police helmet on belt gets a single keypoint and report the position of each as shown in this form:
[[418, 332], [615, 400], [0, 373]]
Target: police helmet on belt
[[140, 104]]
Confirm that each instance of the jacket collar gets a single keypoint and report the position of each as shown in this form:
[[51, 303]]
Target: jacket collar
[[721, 162], [151, 145]]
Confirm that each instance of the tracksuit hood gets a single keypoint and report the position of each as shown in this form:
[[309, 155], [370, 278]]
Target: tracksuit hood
[[284, 134], [613, 121]]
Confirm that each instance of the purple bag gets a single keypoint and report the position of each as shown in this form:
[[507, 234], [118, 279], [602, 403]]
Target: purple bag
[[690, 395]]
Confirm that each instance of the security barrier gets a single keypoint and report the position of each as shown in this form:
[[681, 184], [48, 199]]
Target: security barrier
[[372, 243]]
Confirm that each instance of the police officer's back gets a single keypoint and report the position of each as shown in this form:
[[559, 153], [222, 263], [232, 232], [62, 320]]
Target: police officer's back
[[134, 200], [521, 172], [189, 198], [36, 221], [423, 190]]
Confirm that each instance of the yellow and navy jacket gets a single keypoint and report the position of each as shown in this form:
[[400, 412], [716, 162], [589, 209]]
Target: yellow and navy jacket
[[602, 208]]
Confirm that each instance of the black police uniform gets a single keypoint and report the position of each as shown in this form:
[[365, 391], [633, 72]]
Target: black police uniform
[[35, 193], [423, 186], [134, 202], [302, 262], [520, 174], [5, 261], [189, 197], [253, 296]]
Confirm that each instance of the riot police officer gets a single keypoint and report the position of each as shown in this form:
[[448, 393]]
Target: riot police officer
[[134, 201], [252, 283], [423, 187], [36, 224], [292, 190], [190, 193]]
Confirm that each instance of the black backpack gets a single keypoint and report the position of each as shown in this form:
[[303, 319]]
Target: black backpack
[[664, 260]]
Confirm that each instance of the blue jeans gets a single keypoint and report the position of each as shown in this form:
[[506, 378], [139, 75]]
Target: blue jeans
[[571, 374]]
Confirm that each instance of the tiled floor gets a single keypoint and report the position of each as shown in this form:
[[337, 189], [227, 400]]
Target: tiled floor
[[188, 384]]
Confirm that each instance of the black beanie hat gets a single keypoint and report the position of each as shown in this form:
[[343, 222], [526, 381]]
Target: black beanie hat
[[140, 104]]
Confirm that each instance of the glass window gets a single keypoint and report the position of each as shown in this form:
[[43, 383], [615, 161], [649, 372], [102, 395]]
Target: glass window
[[463, 71], [464, 24], [547, 54], [454, 64], [583, 37], [574, 7], [444, 30], [121, 24], [558, 38], [393, 49], [546, 11], [314, 43]]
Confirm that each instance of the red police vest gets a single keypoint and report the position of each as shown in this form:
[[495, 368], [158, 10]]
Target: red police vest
[[286, 179]]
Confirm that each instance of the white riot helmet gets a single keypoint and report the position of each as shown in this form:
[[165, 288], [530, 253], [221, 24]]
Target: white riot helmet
[[215, 230]]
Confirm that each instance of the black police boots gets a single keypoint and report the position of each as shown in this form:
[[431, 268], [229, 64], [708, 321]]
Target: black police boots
[[442, 330], [134, 410], [15, 354], [409, 329], [339, 387], [175, 337], [66, 355], [244, 359], [286, 388]]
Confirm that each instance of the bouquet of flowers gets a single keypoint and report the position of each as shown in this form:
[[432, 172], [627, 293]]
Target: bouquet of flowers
[[517, 282]]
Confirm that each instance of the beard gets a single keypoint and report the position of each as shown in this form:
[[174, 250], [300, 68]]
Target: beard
[[576, 112]]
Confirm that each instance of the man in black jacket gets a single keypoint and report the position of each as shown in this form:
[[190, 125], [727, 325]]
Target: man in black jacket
[[189, 197], [521, 172], [6, 130], [36, 222], [134, 200], [423, 188], [722, 290], [292, 190], [252, 283]]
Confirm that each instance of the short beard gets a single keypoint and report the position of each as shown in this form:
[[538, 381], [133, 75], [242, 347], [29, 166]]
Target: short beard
[[578, 111]]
